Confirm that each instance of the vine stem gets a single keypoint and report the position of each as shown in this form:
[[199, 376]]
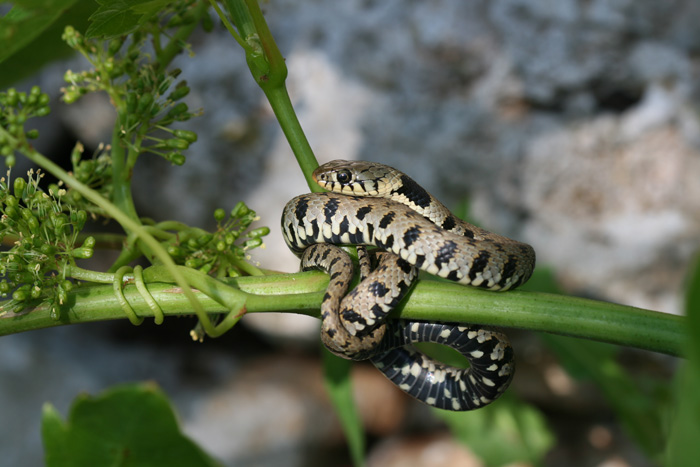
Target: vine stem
[[430, 300]]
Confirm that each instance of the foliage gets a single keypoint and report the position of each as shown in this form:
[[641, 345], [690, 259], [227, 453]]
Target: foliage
[[131, 424]]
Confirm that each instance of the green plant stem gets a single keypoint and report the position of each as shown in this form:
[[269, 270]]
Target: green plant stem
[[121, 177], [270, 72], [287, 118], [430, 300], [90, 276]]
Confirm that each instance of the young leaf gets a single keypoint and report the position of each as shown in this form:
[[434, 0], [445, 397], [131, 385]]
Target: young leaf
[[683, 448], [132, 424], [484, 431], [22, 24], [119, 17], [339, 387]]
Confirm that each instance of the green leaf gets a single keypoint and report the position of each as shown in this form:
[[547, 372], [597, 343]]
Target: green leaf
[[132, 424], [506, 422], [120, 17], [24, 23], [339, 387], [683, 447], [41, 44]]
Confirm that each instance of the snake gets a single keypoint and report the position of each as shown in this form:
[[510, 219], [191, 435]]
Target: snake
[[368, 204]]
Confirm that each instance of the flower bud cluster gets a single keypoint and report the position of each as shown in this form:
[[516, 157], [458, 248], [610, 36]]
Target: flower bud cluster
[[222, 251], [42, 236]]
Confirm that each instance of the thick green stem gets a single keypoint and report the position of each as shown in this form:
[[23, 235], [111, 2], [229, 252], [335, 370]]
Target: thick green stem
[[430, 300], [121, 177]]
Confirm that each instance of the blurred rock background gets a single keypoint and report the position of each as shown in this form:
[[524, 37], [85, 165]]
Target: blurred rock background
[[571, 125]]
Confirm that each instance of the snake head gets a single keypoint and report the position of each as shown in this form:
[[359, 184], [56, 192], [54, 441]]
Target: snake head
[[358, 178]]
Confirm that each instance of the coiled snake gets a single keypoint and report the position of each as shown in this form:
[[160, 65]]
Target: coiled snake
[[372, 204]]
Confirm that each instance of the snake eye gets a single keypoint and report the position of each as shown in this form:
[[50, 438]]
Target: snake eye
[[343, 176]]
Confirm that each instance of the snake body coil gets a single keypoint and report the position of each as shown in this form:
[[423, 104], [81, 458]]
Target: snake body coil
[[376, 205]]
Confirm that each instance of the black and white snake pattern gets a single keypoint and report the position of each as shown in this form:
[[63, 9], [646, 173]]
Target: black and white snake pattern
[[371, 204]]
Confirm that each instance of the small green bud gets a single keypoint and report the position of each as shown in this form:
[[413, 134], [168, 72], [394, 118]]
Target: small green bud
[[14, 130], [81, 218], [71, 37], [19, 186], [193, 263], [35, 292], [61, 295], [4, 287], [22, 293], [247, 219], [180, 91], [48, 249], [55, 312], [71, 95], [175, 251], [67, 285], [220, 245], [33, 134], [43, 111], [11, 201], [259, 232], [11, 212], [58, 220], [230, 237], [180, 108], [177, 143], [82, 253], [108, 65], [204, 239], [239, 210], [177, 158], [252, 243], [26, 213], [145, 103], [75, 196], [192, 243], [187, 135], [86, 166], [89, 242], [10, 160], [11, 97], [71, 77], [76, 154], [33, 225], [219, 215], [164, 85]]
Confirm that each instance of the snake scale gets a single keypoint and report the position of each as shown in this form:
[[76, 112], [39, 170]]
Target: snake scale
[[370, 204]]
